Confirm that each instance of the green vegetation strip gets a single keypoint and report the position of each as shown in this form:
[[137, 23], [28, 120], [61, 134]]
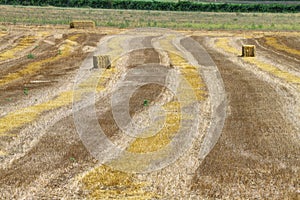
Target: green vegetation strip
[[163, 19], [161, 5]]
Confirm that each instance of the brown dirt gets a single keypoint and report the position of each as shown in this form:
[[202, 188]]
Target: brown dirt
[[254, 156], [59, 152], [55, 73], [149, 92], [292, 42], [282, 57]]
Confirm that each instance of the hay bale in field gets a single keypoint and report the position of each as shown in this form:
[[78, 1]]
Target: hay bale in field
[[248, 51], [102, 61], [82, 24]]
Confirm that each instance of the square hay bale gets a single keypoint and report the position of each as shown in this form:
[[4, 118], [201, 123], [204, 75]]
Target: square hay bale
[[83, 24], [102, 61], [248, 51]]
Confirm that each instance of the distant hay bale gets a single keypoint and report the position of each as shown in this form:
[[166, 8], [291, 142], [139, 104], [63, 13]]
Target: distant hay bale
[[84, 24], [102, 61], [248, 51]]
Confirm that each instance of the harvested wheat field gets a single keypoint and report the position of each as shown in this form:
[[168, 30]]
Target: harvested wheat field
[[174, 116]]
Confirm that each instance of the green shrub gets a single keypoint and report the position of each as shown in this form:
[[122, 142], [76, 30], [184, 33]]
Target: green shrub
[[163, 5]]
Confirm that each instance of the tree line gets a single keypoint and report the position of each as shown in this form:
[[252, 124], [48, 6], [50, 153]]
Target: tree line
[[159, 5]]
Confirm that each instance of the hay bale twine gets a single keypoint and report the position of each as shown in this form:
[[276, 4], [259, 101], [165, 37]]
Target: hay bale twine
[[248, 50], [102, 61], [82, 24]]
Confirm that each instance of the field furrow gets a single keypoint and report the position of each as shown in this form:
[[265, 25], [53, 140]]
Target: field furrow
[[273, 42], [103, 181], [223, 43], [29, 114], [284, 61], [255, 141], [23, 44], [189, 71], [65, 51]]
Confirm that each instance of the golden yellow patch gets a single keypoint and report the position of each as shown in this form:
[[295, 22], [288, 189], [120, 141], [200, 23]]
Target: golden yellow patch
[[190, 73], [26, 115], [164, 136], [105, 183], [223, 43], [24, 43], [273, 70]]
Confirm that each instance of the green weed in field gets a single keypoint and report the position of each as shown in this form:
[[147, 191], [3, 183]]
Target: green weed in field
[[30, 56], [26, 91]]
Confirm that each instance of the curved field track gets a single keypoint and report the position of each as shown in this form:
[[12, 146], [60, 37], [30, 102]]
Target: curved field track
[[256, 155], [248, 107]]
